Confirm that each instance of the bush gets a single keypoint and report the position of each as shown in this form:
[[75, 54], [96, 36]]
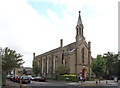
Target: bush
[[49, 78], [60, 77], [73, 79], [69, 77], [87, 78], [90, 79], [101, 78]]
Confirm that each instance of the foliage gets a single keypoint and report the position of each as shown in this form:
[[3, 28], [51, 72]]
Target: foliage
[[24, 71], [35, 69], [61, 78], [51, 78], [119, 69], [69, 75], [90, 79], [101, 78], [71, 78], [87, 78], [112, 64], [10, 59], [99, 66], [20, 73], [62, 69]]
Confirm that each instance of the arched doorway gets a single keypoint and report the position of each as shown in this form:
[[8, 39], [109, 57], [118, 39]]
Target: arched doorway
[[84, 72]]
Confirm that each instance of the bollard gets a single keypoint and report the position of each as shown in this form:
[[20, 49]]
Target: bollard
[[96, 82], [106, 82], [20, 83]]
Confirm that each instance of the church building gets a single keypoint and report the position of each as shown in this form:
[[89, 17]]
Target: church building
[[76, 55]]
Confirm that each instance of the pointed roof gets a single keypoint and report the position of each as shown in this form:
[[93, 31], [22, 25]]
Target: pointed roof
[[79, 23]]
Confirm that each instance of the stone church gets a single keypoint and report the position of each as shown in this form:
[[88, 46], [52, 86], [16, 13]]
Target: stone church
[[76, 55]]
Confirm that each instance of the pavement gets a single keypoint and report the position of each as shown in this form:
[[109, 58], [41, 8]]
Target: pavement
[[103, 82], [64, 84]]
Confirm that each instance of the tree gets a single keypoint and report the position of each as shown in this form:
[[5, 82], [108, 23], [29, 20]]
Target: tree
[[24, 71], [99, 66], [112, 64], [35, 69], [62, 69], [20, 73], [119, 69], [10, 60]]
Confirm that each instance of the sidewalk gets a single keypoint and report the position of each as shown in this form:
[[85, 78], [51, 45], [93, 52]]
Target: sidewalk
[[11, 84], [89, 83], [92, 83]]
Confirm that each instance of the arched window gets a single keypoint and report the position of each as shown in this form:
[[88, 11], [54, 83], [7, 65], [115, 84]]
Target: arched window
[[39, 63], [56, 61], [82, 55], [79, 31], [65, 61], [44, 65], [49, 65], [62, 56]]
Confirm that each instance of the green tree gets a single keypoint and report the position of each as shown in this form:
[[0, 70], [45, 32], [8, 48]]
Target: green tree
[[10, 60], [35, 69], [99, 66], [62, 69], [119, 69], [20, 73], [111, 65], [24, 71]]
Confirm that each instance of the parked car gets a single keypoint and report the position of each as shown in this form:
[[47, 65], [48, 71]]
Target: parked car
[[41, 78], [8, 76], [25, 79], [32, 78], [12, 77], [16, 78]]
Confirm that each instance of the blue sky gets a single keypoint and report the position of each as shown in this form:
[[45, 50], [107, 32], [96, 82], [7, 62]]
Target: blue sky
[[42, 7], [29, 26]]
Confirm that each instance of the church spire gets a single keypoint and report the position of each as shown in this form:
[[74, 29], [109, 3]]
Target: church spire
[[79, 26], [79, 29], [79, 23]]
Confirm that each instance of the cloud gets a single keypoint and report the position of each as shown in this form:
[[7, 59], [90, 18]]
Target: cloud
[[22, 28], [26, 31], [100, 27]]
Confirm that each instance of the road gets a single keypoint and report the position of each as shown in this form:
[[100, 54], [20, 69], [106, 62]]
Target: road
[[61, 84]]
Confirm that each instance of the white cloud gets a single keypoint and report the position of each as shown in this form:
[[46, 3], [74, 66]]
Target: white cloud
[[101, 27], [23, 29], [21, 26]]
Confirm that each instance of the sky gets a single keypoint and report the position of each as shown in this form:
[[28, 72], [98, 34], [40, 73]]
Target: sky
[[29, 26]]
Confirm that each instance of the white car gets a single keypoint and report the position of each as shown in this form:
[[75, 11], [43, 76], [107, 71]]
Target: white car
[[32, 78]]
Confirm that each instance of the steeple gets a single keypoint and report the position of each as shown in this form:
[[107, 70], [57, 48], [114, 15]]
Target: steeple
[[79, 29], [79, 23]]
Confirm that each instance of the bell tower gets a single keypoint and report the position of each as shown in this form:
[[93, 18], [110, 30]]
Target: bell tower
[[79, 29]]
